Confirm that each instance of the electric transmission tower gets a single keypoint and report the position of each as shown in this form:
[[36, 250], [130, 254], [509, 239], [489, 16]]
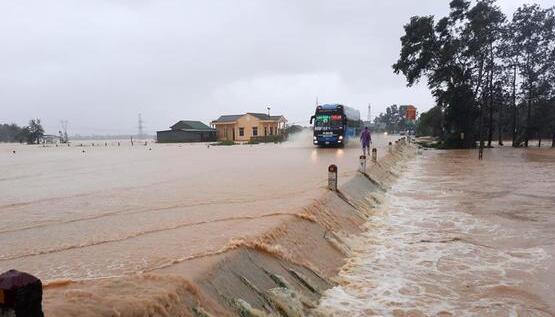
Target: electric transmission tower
[[63, 133], [141, 126]]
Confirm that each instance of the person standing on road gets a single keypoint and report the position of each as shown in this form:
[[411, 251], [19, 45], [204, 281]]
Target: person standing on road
[[365, 140]]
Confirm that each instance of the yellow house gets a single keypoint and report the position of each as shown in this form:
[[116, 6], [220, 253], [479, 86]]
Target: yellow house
[[244, 126]]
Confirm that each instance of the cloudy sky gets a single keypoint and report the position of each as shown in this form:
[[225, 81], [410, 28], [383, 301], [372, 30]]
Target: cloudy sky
[[99, 63]]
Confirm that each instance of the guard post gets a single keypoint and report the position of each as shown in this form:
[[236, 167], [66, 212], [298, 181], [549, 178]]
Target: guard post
[[374, 155], [362, 164], [390, 147], [332, 177], [20, 295]]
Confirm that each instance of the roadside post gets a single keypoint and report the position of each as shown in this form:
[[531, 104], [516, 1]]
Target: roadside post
[[332, 177], [390, 147], [20, 295], [362, 164], [374, 155]]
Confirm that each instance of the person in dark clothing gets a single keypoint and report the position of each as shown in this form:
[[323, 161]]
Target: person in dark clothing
[[365, 140]]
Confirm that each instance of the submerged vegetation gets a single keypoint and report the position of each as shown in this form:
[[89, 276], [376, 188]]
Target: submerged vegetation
[[490, 75]]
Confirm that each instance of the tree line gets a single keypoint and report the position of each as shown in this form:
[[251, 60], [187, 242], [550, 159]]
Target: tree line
[[393, 120], [493, 77], [31, 134]]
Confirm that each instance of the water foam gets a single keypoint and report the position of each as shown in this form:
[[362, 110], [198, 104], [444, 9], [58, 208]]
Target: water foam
[[421, 257]]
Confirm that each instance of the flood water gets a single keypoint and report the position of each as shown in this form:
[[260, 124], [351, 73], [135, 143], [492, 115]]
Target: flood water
[[457, 237], [108, 210]]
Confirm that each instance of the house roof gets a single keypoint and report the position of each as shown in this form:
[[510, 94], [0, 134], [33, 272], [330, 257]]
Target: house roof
[[229, 118], [263, 116], [190, 125], [235, 117]]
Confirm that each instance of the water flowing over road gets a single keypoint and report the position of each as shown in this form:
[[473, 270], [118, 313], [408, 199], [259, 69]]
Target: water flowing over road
[[457, 237]]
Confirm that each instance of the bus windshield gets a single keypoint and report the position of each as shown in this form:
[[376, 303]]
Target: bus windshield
[[329, 121], [322, 121]]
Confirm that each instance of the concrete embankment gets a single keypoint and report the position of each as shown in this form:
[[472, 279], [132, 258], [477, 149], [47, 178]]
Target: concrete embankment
[[280, 273]]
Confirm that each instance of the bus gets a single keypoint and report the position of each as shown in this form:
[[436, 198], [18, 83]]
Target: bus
[[335, 124]]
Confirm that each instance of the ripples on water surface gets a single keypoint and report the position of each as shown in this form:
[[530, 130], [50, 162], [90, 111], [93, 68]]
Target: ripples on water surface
[[457, 237], [85, 212]]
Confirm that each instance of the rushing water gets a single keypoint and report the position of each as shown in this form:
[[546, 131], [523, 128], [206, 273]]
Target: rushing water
[[457, 237]]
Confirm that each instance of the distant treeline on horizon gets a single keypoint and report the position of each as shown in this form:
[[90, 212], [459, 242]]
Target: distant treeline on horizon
[[13, 133]]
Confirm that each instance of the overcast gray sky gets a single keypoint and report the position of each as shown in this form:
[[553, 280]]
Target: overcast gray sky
[[99, 63]]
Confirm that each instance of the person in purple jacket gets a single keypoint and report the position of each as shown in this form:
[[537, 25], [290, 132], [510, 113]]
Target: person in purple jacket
[[365, 140]]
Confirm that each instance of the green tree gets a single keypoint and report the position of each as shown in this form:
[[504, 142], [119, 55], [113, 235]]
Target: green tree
[[430, 123], [533, 47], [454, 55], [391, 119], [34, 132], [10, 133]]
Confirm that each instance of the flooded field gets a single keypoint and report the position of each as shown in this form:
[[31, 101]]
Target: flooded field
[[457, 237], [104, 211]]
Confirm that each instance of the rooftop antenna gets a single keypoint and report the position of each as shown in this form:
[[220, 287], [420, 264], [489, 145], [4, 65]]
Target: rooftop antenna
[[141, 126]]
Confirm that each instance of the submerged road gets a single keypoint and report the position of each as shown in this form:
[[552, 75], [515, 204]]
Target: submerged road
[[117, 210]]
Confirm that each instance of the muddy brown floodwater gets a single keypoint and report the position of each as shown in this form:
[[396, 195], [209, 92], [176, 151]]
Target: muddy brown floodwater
[[457, 237], [108, 210]]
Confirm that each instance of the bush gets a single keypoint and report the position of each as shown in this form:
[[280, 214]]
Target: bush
[[267, 139], [225, 142]]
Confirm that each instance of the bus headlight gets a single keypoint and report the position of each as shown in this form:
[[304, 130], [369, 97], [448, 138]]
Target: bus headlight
[[340, 137], [314, 138]]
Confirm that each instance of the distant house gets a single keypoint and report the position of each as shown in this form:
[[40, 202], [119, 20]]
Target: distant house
[[243, 127], [187, 131], [50, 139]]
